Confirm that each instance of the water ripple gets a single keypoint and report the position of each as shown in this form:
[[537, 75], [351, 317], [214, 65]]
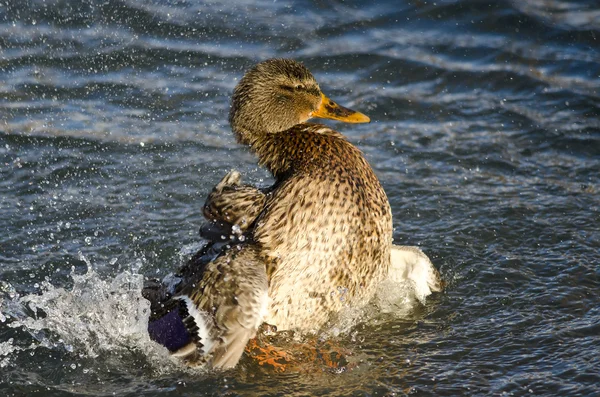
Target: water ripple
[[485, 135]]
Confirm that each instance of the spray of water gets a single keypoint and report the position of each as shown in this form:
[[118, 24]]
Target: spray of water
[[95, 315], [99, 315]]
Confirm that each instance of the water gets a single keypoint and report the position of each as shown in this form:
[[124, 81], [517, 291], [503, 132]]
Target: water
[[485, 135]]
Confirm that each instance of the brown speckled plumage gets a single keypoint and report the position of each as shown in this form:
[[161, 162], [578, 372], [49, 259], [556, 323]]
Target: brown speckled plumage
[[326, 230], [318, 241], [232, 299], [233, 202]]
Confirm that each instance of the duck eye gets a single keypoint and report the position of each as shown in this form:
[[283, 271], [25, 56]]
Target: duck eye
[[299, 87]]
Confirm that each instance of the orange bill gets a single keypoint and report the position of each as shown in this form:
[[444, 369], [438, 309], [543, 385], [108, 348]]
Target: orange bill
[[331, 110]]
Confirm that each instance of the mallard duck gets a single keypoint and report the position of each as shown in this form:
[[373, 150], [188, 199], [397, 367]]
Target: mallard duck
[[319, 240]]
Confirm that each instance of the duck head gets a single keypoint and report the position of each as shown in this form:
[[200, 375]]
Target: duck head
[[276, 95]]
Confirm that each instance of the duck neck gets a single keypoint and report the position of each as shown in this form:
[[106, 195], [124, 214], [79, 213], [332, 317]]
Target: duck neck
[[269, 147], [303, 145], [246, 137]]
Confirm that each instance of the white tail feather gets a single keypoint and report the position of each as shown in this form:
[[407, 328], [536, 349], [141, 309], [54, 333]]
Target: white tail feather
[[411, 264]]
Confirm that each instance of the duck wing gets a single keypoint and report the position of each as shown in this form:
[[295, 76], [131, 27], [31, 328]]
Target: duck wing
[[216, 308], [231, 203]]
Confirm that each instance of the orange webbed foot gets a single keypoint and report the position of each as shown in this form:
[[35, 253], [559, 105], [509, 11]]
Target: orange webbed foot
[[324, 355], [267, 354], [309, 355]]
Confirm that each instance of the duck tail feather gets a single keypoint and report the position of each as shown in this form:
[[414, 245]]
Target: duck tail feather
[[411, 264]]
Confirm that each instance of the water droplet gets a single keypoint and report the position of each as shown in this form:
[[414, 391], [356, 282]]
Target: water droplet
[[136, 266]]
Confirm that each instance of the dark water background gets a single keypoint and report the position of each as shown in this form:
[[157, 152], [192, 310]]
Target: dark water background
[[485, 135]]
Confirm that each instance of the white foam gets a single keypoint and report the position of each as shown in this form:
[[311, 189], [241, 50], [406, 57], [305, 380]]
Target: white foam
[[96, 315]]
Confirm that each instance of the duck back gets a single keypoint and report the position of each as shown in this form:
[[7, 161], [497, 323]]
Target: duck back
[[326, 230]]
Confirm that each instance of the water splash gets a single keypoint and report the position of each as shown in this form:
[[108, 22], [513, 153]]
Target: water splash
[[94, 316], [396, 299]]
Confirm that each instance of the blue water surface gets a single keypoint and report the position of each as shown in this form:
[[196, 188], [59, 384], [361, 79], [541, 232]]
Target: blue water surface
[[485, 134]]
